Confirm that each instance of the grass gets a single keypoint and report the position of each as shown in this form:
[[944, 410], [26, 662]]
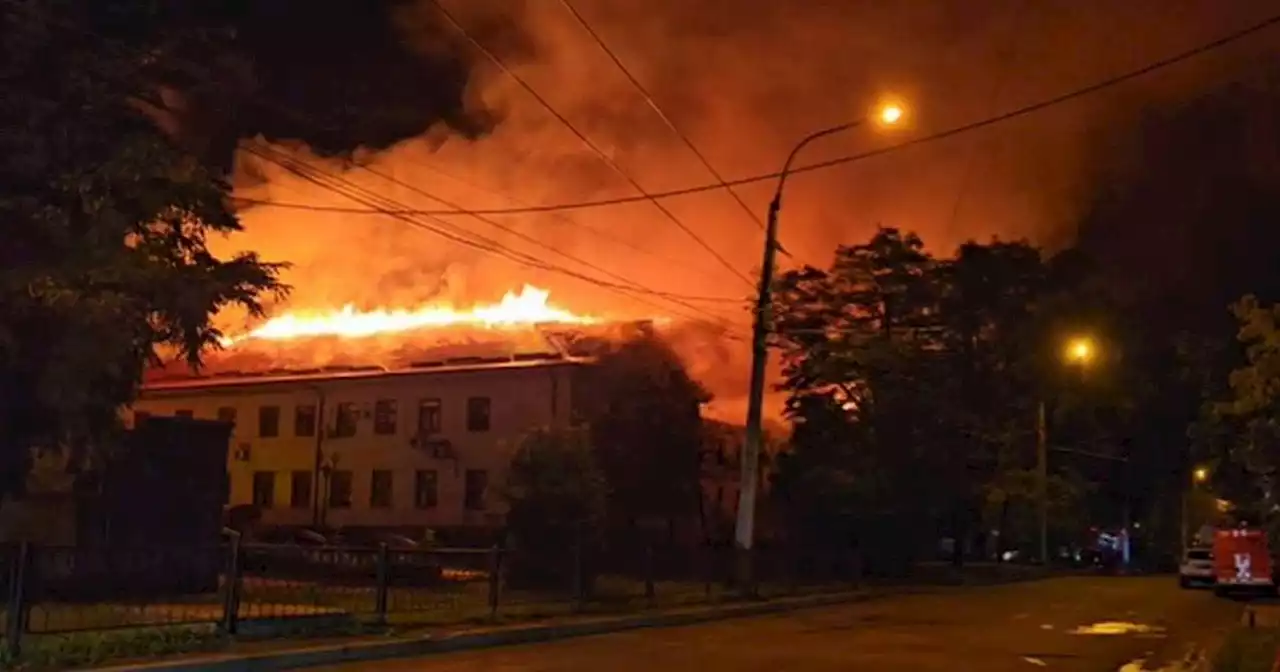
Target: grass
[[1248, 650]]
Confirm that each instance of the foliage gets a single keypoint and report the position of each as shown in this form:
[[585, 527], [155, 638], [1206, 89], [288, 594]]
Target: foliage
[[643, 413], [556, 496], [1240, 432], [913, 384], [554, 486], [105, 264]]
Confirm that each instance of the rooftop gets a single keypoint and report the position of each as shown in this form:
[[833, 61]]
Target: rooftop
[[446, 352]]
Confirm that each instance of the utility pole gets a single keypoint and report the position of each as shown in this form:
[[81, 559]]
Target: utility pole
[[744, 531], [1042, 479]]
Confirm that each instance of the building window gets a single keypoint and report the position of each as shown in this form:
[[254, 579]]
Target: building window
[[227, 414], [140, 418], [478, 414], [340, 489], [300, 490], [477, 486], [344, 421], [304, 420], [380, 490], [429, 419], [426, 489], [384, 417], [269, 421], [264, 489], [184, 413]]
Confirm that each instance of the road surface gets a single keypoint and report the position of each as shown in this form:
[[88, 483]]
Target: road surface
[[1051, 625]]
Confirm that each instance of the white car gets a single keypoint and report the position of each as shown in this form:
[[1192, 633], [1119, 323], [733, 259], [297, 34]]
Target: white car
[[1197, 568]]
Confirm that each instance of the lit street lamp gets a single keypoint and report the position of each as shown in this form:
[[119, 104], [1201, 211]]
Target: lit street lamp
[[1079, 351], [1198, 476], [886, 115]]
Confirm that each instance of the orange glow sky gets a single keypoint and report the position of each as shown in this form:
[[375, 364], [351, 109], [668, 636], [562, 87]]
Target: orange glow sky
[[745, 79]]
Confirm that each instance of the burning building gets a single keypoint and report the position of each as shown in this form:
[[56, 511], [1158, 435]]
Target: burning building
[[401, 420]]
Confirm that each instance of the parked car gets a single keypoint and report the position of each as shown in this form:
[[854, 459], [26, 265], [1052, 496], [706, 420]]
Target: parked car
[[1197, 568]]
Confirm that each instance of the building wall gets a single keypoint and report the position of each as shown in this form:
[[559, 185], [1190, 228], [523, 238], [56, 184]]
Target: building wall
[[520, 398]]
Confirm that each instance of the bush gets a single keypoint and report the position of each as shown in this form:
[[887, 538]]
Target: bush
[[555, 494]]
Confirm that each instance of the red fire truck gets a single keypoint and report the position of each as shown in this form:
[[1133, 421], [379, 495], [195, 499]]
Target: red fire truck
[[1242, 561]]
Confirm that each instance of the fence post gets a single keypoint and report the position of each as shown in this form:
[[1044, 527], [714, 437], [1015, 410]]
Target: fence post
[[17, 605], [649, 592], [495, 580], [579, 596], [708, 561], [384, 580], [231, 587]]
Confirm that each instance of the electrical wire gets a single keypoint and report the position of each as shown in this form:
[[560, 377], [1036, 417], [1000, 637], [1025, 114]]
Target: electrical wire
[[317, 176], [370, 199], [514, 232], [657, 110], [604, 157], [851, 158], [354, 192]]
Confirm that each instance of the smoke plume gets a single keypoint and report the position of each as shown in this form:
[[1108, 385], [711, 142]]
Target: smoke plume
[[742, 79]]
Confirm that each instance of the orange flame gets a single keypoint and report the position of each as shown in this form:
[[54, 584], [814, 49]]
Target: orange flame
[[529, 307]]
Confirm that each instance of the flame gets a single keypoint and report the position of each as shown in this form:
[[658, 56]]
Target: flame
[[528, 307]]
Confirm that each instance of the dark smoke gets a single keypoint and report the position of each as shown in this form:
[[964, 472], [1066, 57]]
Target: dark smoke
[[337, 75]]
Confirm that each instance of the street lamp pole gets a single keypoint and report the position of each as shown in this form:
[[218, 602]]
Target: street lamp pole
[[744, 532], [1042, 479]]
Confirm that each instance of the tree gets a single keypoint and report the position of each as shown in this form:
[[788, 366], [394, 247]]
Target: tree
[[105, 266], [859, 346], [643, 411], [556, 496], [1241, 430], [913, 374]]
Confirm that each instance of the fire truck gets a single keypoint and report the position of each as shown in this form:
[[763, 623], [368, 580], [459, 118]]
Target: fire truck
[[1242, 562]]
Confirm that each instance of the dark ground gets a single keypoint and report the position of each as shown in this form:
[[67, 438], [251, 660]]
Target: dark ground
[[1024, 626]]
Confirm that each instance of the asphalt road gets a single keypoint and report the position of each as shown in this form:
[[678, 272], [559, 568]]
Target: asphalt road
[[1025, 627]]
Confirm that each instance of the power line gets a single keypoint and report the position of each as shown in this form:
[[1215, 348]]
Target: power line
[[358, 194], [653, 105], [371, 199], [851, 158], [530, 239], [559, 217], [613, 165]]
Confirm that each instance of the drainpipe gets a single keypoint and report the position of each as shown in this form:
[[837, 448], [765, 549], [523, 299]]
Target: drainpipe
[[317, 493]]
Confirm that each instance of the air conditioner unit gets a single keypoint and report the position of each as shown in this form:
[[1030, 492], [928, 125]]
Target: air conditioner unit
[[242, 453]]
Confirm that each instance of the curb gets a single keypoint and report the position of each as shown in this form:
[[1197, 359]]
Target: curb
[[480, 639]]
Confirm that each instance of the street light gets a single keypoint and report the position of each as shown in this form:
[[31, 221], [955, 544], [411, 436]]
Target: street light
[[1199, 475], [1079, 351], [887, 114]]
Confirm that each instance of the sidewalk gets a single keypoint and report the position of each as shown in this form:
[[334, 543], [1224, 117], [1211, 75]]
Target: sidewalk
[[283, 655]]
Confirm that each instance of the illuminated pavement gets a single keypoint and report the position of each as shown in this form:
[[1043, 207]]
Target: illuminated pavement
[[1015, 627]]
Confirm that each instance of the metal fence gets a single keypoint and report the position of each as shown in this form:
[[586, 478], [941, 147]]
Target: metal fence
[[260, 588]]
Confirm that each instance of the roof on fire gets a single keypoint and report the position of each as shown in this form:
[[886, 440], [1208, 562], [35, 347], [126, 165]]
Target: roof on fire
[[352, 359]]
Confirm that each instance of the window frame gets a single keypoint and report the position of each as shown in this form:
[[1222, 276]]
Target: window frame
[[474, 424], [472, 500], [267, 421], [261, 477], [307, 477], [299, 412], [422, 477], [377, 498], [386, 417], [350, 479], [340, 430], [437, 414]]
